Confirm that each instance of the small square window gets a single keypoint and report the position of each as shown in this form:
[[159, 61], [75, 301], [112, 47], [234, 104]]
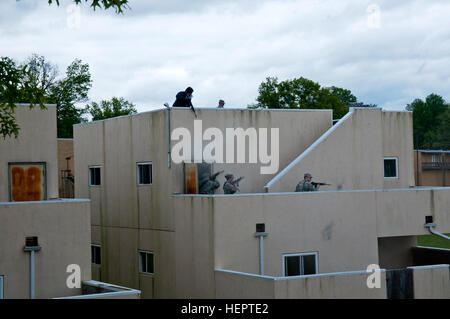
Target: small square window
[[300, 264], [94, 176], [145, 173], [96, 253], [146, 262], [390, 167]]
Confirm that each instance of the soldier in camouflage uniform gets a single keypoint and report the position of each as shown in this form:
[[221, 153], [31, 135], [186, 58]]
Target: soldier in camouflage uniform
[[305, 185], [228, 186], [208, 184]]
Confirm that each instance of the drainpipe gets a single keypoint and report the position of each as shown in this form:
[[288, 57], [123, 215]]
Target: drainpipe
[[168, 134], [31, 245], [430, 228], [260, 232]]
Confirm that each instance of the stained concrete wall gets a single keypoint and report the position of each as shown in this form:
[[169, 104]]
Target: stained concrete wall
[[36, 142], [298, 129], [431, 282], [127, 217], [328, 286], [342, 227], [63, 231], [352, 155]]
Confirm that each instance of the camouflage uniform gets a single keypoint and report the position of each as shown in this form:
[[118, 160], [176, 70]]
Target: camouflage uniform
[[229, 188], [305, 186], [209, 186]]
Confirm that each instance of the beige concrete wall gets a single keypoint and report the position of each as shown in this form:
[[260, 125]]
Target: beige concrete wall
[[127, 217], [36, 143], [63, 230], [297, 130], [339, 226], [65, 149], [330, 287], [194, 247], [342, 227], [431, 282], [340, 286], [402, 212], [237, 286], [397, 130], [351, 157]]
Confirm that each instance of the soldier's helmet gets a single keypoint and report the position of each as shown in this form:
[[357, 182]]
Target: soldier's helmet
[[307, 175], [229, 175]]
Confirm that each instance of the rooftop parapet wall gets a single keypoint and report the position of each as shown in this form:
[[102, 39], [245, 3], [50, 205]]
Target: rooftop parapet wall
[[350, 154]]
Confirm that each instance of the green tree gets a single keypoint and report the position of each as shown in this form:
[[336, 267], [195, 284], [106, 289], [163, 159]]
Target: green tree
[[304, 94], [443, 131], [17, 85], [428, 116], [118, 5], [65, 93], [109, 109]]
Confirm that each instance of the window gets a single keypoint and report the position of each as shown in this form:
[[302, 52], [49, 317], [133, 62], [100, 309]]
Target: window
[[300, 264], [146, 262], [96, 253], [1, 287], [390, 167], [94, 176], [145, 173]]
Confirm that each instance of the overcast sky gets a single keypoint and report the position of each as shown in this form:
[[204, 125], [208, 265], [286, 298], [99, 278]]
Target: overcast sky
[[385, 52]]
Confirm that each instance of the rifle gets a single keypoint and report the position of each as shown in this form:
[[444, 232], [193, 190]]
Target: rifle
[[193, 110], [319, 184], [236, 182]]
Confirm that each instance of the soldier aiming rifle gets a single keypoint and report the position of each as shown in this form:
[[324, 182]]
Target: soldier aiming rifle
[[231, 186], [208, 183], [307, 185]]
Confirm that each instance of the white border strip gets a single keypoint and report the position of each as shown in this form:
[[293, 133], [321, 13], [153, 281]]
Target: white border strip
[[331, 274], [412, 189], [308, 150], [116, 291], [442, 266], [50, 201]]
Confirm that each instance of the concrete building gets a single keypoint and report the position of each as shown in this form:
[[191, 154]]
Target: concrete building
[[432, 167], [156, 238], [42, 237]]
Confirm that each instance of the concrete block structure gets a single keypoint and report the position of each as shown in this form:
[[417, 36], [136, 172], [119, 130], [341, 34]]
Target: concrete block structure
[[168, 244], [43, 239]]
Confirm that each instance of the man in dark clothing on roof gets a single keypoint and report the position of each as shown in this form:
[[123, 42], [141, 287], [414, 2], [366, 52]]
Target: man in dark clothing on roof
[[184, 99]]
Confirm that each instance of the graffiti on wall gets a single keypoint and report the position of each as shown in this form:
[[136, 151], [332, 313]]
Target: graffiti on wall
[[27, 181]]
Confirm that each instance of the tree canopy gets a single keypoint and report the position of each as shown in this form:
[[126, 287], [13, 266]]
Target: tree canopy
[[431, 122], [109, 109], [118, 5], [17, 85], [35, 82], [302, 93]]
